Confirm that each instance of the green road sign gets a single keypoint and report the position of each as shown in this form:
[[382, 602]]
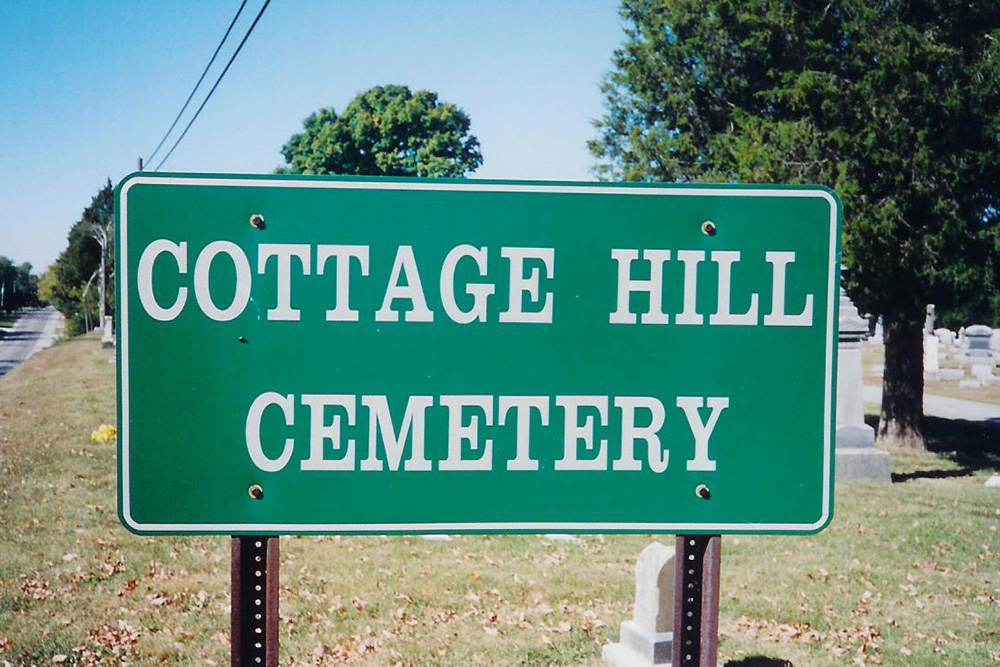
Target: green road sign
[[335, 355]]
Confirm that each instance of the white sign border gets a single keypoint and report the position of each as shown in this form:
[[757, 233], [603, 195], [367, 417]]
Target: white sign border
[[471, 527]]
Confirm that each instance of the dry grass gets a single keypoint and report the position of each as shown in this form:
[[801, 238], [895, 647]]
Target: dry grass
[[906, 575]]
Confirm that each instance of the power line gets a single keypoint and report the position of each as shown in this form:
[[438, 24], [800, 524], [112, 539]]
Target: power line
[[215, 85], [200, 79]]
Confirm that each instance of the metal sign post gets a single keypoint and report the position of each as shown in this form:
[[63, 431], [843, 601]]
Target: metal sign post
[[696, 601], [254, 636]]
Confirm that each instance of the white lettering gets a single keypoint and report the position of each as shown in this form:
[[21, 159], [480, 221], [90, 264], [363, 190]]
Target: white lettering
[[459, 432], [521, 285], [523, 406], [412, 291], [202, 291], [653, 286], [320, 431], [283, 252], [702, 431], [480, 292], [777, 317], [144, 279], [655, 455], [252, 432], [691, 259], [342, 312], [380, 421], [725, 259], [574, 433]]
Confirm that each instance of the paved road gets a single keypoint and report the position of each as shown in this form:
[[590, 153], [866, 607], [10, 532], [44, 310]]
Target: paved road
[[945, 406], [36, 330]]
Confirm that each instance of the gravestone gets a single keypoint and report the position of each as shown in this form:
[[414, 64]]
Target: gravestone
[[879, 336], [995, 341], [108, 339], [945, 336], [856, 455], [961, 337], [646, 639], [929, 320], [932, 364], [984, 373], [978, 337]]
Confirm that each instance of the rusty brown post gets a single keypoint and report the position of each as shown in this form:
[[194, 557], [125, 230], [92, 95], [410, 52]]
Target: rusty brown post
[[696, 601], [254, 638]]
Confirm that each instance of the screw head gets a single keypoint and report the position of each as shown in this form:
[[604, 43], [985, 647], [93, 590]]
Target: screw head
[[255, 491], [702, 492], [257, 221], [708, 228]]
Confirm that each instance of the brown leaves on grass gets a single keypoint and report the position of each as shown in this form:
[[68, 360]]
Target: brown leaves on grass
[[36, 589], [863, 641], [109, 645]]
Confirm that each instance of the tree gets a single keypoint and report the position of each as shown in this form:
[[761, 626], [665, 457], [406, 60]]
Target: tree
[[893, 104], [386, 131], [18, 287], [87, 260]]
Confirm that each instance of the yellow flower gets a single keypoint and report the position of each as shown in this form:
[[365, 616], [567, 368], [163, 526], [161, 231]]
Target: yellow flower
[[104, 433]]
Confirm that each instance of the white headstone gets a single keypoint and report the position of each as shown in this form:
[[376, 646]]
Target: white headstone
[[946, 337], [856, 455], [978, 337], [646, 639], [108, 339], [984, 372], [929, 320], [932, 366]]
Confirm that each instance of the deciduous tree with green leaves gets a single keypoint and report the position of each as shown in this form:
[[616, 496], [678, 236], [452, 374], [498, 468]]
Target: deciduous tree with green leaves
[[80, 264], [893, 104], [386, 131]]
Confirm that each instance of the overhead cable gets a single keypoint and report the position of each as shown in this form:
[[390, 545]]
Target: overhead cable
[[215, 85], [200, 79]]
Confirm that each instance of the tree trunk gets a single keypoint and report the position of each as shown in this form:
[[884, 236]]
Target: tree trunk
[[903, 384]]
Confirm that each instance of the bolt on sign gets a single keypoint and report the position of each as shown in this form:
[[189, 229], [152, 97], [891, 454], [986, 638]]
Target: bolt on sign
[[344, 355]]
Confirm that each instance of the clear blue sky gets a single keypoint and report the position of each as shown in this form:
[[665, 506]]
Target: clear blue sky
[[87, 87]]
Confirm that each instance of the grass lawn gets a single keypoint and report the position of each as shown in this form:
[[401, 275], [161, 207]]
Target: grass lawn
[[907, 574]]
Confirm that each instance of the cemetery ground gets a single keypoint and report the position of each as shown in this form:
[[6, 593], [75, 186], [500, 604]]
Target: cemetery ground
[[873, 355], [907, 574]]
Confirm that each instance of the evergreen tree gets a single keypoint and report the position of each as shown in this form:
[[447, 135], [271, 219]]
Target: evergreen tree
[[892, 104]]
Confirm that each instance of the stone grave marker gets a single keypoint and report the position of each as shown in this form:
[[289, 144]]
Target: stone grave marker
[[856, 455], [879, 336], [646, 639], [979, 355], [945, 336], [932, 364]]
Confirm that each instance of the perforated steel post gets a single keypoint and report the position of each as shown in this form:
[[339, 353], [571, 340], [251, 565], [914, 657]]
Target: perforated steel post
[[254, 601], [696, 601]]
